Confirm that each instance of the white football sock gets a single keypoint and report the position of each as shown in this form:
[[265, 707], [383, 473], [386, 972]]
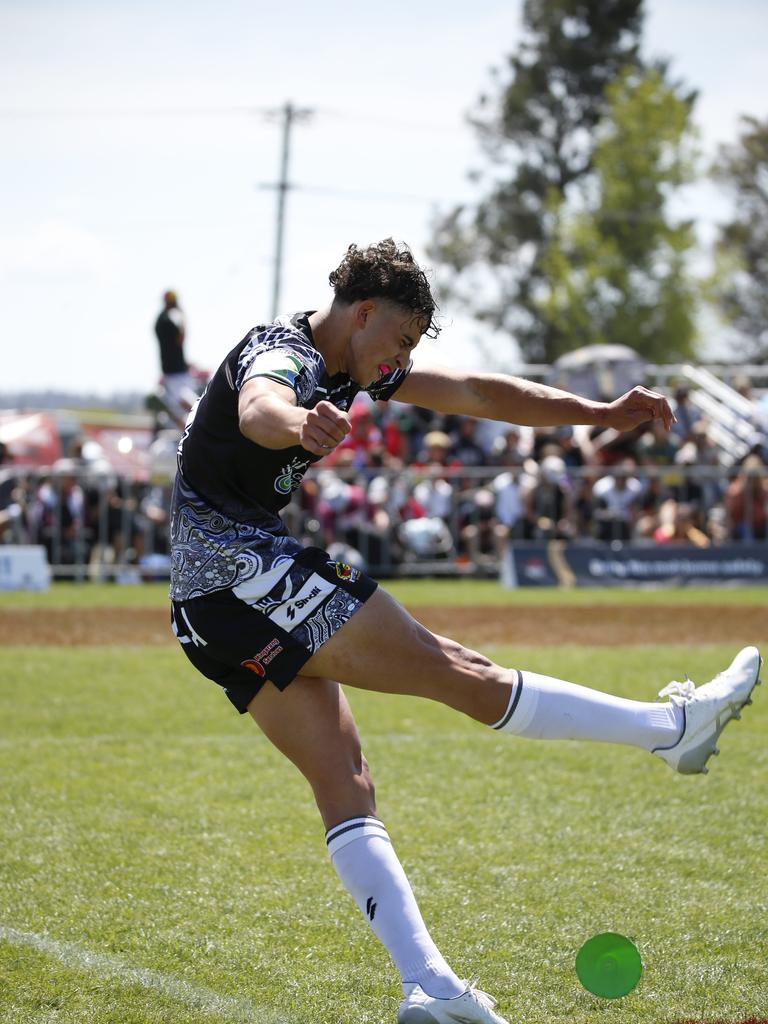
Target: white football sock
[[368, 867], [544, 708]]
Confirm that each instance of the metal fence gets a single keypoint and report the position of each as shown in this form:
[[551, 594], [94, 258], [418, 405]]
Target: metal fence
[[419, 520], [92, 526]]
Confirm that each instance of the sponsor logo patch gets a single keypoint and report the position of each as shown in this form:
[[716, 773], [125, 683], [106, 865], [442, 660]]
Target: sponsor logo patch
[[293, 611], [257, 663], [291, 475], [290, 609], [346, 572]]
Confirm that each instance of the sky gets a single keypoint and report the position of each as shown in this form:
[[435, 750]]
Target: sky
[[140, 141]]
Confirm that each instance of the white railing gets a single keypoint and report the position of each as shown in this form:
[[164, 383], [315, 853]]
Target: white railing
[[413, 521]]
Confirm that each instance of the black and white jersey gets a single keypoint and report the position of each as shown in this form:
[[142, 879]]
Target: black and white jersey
[[229, 490]]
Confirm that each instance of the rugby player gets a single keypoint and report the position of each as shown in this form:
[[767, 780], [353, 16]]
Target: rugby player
[[280, 626]]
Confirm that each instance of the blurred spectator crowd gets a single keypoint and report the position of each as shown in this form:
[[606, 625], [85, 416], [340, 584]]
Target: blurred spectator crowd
[[90, 519], [408, 486]]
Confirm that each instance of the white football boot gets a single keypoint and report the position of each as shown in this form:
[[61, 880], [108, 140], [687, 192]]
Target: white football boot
[[471, 1007], [708, 709]]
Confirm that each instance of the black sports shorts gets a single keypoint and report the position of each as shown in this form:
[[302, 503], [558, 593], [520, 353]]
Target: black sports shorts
[[241, 643]]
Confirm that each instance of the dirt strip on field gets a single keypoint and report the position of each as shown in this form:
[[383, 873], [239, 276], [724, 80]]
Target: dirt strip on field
[[474, 626]]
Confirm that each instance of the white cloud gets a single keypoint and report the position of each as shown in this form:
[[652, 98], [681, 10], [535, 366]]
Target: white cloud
[[55, 249]]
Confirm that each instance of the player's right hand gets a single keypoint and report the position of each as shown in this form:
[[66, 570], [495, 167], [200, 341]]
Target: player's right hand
[[636, 407], [325, 426]]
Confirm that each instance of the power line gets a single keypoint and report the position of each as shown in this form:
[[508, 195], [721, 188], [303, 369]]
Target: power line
[[394, 197], [393, 122], [53, 112], [242, 110], [289, 114], [638, 215]]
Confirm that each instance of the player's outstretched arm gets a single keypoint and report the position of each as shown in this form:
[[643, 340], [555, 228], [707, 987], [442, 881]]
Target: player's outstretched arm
[[497, 396]]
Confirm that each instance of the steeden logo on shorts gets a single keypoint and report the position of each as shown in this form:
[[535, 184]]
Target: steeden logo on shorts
[[257, 663]]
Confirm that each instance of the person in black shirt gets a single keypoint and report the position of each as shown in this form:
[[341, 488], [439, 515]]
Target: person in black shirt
[[169, 328], [178, 385], [281, 626]]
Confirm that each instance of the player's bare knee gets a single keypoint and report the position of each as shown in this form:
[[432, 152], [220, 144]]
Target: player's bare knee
[[360, 782], [344, 794], [344, 769], [363, 784]]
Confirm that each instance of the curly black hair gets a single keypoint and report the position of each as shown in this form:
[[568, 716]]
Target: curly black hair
[[386, 270]]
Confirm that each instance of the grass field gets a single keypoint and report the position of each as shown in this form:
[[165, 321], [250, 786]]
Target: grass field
[[410, 592], [160, 862]]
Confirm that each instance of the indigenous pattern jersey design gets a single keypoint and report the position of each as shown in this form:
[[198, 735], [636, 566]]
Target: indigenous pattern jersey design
[[225, 527]]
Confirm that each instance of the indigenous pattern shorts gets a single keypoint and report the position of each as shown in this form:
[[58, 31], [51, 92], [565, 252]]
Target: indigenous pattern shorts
[[267, 628]]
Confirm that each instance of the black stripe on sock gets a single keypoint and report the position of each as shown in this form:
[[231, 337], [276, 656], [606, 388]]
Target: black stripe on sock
[[341, 828], [514, 703]]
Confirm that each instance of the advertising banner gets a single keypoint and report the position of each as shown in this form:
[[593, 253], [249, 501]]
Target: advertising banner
[[558, 563], [24, 567]]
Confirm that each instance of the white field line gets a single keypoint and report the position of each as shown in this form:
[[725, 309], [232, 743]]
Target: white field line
[[192, 996]]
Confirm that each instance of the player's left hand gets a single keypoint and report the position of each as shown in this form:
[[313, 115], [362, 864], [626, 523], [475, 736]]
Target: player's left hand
[[638, 406]]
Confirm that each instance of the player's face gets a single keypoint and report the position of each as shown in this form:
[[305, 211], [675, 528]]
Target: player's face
[[384, 338]]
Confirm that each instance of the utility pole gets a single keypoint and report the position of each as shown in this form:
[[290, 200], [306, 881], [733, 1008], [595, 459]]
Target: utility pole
[[289, 114]]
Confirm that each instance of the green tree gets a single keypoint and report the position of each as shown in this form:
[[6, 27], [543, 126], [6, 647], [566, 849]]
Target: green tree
[[617, 271], [535, 133], [741, 280]]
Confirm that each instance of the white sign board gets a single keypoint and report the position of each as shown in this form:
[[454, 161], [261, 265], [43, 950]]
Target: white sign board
[[24, 567]]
